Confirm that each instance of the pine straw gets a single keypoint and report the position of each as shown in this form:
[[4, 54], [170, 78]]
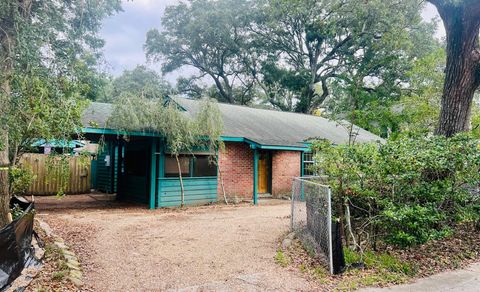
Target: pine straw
[[54, 273], [457, 251], [437, 256]]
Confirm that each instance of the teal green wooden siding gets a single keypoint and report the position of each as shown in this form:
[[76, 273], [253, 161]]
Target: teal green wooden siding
[[104, 175], [198, 190], [115, 170], [93, 177]]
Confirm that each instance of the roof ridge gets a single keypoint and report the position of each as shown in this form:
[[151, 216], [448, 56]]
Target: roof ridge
[[255, 108]]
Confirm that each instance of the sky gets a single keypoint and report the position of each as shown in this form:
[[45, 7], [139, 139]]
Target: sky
[[126, 31]]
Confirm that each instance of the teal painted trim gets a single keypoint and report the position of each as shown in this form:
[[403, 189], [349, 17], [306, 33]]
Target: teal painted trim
[[153, 174], [187, 178], [288, 148], [252, 144], [255, 145], [161, 160], [89, 130], [232, 139], [302, 167], [302, 172], [255, 177]]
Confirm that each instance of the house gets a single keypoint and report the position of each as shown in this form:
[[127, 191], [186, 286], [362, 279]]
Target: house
[[57, 146], [264, 150]]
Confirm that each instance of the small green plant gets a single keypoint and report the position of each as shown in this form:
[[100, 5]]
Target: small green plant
[[53, 251], [16, 211], [377, 261], [281, 259], [58, 276], [62, 265]]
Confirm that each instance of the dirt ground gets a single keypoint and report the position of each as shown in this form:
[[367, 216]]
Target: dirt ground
[[212, 248]]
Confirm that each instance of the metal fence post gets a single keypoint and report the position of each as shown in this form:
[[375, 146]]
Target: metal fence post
[[330, 238]]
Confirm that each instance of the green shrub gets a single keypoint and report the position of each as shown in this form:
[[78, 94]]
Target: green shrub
[[405, 192], [20, 179]]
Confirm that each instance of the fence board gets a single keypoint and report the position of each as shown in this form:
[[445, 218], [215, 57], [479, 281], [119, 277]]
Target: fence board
[[49, 183]]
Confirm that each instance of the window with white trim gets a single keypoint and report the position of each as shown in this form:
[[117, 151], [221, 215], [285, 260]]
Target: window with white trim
[[308, 163]]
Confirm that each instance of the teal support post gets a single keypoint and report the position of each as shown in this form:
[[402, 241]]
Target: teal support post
[[302, 173], [302, 159], [255, 176], [161, 170], [153, 173]]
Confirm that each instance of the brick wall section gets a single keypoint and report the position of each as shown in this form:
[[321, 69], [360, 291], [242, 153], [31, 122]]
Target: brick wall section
[[285, 166], [236, 165]]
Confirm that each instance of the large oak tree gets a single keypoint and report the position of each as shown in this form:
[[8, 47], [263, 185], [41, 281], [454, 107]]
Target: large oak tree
[[461, 19]]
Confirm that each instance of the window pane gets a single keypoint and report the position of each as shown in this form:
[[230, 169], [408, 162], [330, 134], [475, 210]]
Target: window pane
[[308, 163], [308, 156], [202, 167], [307, 168], [171, 167]]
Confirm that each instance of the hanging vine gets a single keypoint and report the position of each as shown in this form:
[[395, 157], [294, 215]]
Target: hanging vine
[[181, 132]]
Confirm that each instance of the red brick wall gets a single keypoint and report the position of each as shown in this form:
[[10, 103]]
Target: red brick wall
[[236, 166], [285, 166]]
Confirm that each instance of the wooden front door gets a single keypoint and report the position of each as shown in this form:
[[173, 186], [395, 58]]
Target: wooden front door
[[263, 173]]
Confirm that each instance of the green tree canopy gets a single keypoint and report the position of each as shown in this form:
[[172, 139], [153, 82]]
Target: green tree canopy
[[47, 49], [140, 81], [293, 54], [210, 36]]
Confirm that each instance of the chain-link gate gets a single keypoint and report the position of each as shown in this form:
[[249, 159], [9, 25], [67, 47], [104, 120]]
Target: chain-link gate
[[311, 218]]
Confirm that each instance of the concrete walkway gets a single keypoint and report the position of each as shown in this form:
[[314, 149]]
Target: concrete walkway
[[465, 280]]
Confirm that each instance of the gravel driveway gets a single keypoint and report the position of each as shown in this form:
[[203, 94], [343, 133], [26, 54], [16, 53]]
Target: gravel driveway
[[214, 248]]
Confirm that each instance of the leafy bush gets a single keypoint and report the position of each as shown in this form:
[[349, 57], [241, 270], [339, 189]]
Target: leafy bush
[[406, 191], [20, 180]]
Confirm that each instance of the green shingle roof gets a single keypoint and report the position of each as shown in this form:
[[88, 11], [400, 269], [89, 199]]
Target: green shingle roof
[[265, 127]]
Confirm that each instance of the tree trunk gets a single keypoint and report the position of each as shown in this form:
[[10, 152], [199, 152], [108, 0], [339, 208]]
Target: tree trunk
[[5, 91], [462, 23], [182, 189], [220, 176], [5, 216]]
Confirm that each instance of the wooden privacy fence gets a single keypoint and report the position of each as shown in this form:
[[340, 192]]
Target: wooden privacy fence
[[48, 180]]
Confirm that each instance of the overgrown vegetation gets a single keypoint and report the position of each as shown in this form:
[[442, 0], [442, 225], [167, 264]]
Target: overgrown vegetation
[[180, 132], [49, 51], [405, 192], [388, 265]]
